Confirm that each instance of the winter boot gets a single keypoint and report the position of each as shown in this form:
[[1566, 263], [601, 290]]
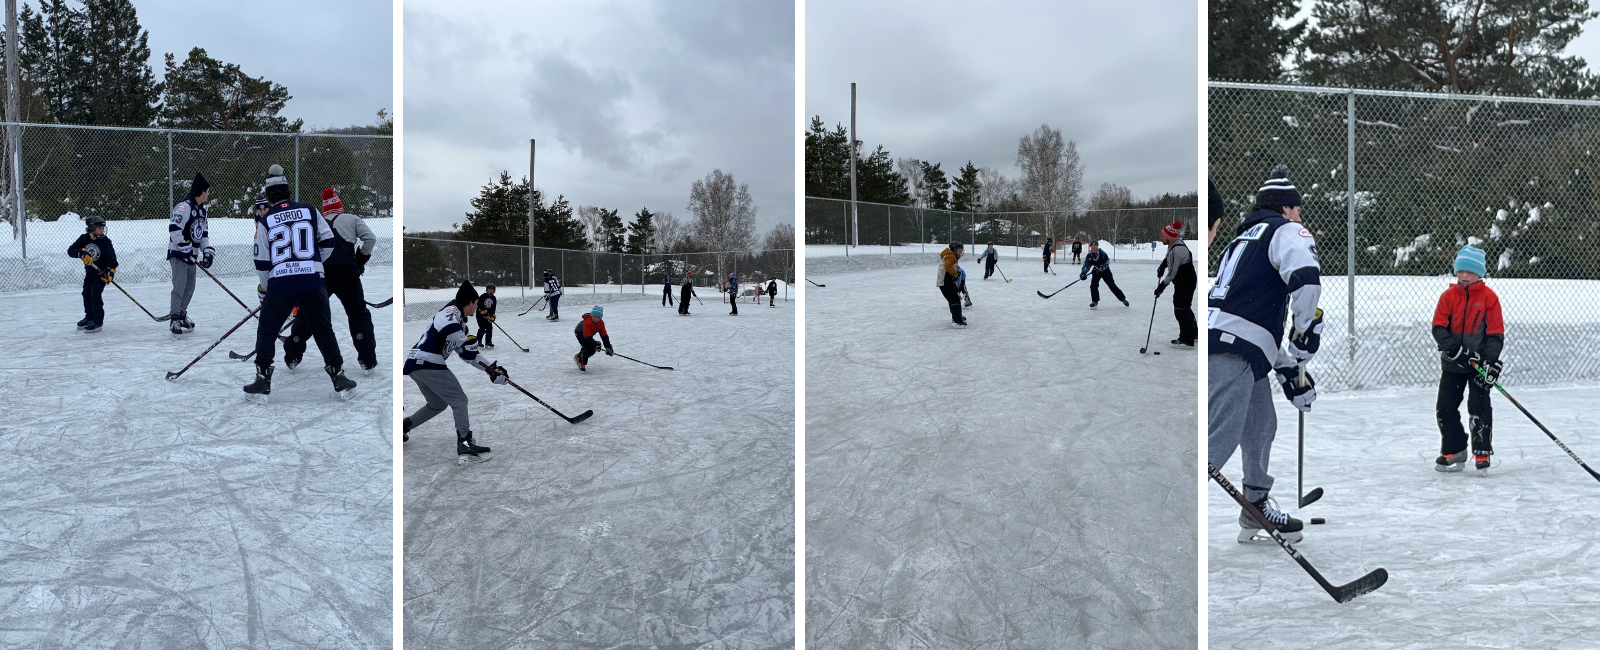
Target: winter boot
[[1450, 462], [1287, 526], [343, 387], [258, 390], [467, 451]]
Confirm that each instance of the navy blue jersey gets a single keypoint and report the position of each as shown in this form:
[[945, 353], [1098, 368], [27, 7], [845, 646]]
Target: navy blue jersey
[[1270, 266], [445, 336], [292, 240], [485, 305], [105, 256], [1097, 260]]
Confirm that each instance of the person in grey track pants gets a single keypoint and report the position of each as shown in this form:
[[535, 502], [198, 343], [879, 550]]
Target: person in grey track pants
[[425, 365], [188, 244]]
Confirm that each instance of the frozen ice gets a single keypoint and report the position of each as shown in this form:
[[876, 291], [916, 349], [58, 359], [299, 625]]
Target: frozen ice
[[1027, 482], [665, 520], [140, 512]]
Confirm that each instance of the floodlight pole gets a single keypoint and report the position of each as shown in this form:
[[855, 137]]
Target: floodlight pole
[[532, 204], [855, 217], [14, 132]]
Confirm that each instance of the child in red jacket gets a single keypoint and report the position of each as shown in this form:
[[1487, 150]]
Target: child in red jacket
[[1470, 332], [592, 323]]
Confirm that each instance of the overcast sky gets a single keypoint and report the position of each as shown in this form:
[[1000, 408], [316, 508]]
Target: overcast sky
[[336, 58], [631, 102], [950, 82]]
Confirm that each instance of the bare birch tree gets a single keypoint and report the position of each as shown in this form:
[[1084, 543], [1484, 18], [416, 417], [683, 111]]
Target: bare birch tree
[[670, 233], [724, 215], [911, 170], [591, 217], [1052, 174]]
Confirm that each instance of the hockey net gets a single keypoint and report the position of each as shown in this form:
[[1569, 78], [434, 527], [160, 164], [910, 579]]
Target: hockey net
[[751, 291]]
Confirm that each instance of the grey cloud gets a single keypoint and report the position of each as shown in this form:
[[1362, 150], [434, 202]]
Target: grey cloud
[[582, 105]]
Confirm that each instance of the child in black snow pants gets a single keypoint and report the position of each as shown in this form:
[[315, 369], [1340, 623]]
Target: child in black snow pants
[[1100, 264], [99, 267], [688, 290], [485, 314]]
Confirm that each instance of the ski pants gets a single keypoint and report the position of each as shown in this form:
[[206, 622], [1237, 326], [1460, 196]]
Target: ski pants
[[1111, 283], [344, 282], [440, 388], [94, 304], [553, 310], [1240, 416], [183, 280], [485, 330], [952, 295], [314, 312], [1182, 301], [666, 296], [988, 268], [683, 300], [1453, 439], [733, 299]]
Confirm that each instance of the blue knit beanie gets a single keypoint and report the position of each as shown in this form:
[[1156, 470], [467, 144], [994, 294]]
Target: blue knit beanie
[[597, 312], [1471, 259]]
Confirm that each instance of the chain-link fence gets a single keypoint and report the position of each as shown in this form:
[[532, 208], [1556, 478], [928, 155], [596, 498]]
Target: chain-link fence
[[1518, 177], [132, 177], [881, 228]]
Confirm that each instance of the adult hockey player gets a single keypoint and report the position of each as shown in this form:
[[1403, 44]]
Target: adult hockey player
[[1049, 251], [552, 294], [353, 242], [686, 292], [1177, 269], [733, 294], [772, 293], [292, 241], [425, 365], [1470, 330], [593, 323], [1269, 272], [1098, 263], [950, 279], [1077, 251], [666, 289], [99, 267], [485, 315], [188, 244], [988, 257]]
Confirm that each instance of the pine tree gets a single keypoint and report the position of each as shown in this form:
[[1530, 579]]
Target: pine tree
[[613, 234], [204, 93], [965, 196], [828, 162], [642, 233], [51, 53], [878, 182], [1247, 42], [500, 216], [935, 187], [89, 66]]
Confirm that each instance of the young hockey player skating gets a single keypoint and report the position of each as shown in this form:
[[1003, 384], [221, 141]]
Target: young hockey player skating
[[292, 241], [593, 323], [1098, 263], [686, 292], [1177, 269], [988, 257], [552, 293], [666, 290], [1470, 332], [1077, 251], [188, 244], [426, 367], [485, 316], [1049, 251], [99, 267], [353, 242], [950, 278], [1271, 270], [772, 293], [733, 294]]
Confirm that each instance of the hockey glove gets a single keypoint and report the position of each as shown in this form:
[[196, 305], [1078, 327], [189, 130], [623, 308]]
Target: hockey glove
[[206, 260], [1300, 396], [1083, 276], [498, 374], [361, 259], [609, 352], [261, 295], [1304, 345], [1491, 369], [108, 275], [1160, 288], [489, 318], [87, 259]]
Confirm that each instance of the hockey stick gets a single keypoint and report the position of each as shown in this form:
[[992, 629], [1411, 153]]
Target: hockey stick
[[820, 285], [1041, 293], [383, 304], [530, 307], [1300, 474], [1341, 593], [130, 296], [1537, 423], [1002, 273], [1152, 326], [508, 335], [175, 375], [648, 364], [224, 287], [581, 416], [243, 357]]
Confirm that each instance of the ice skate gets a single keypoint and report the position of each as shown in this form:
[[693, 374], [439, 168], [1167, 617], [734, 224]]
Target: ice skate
[[91, 326], [960, 325], [83, 323], [366, 367], [1481, 462], [1125, 303], [467, 452], [578, 358], [1181, 345], [291, 362], [1450, 462], [343, 387], [183, 319], [1251, 532], [175, 326], [1094, 305], [258, 391], [966, 302]]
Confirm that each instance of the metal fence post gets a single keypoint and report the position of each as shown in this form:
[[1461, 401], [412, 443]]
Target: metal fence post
[[297, 171], [170, 199], [22, 202], [1350, 221]]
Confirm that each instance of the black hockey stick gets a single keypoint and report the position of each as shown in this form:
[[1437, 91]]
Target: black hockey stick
[[697, 297], [1300, 474], [1537, 423], [244, 357], [130, 296], [381, 305], [1341, 593], [648, 364], [1041, 293], [175, 375], [508, 335], [224, 287], [530, 307], [1152, 326], [581, 416], [820, 285]]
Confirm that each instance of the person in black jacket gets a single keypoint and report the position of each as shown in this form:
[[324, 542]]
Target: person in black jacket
[[688, 290], [1177, 269], [1077, 252], [99, 267], [772, 293], [485, 315], [1099, 263], [1049, 251]]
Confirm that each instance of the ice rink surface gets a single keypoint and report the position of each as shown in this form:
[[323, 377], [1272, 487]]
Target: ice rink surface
[[1507, 561], [664, 521], [144, 513], [1027, 482]]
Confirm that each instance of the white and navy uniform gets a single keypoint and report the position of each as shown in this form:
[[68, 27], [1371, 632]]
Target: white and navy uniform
[[292, 240], [343, 265], [425, 365], [188, 240], [1269, 270], [552, 292]]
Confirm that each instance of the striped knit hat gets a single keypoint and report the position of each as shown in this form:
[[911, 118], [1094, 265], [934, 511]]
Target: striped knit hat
[[1471, 259], [1278, 191], [1173, 230], [331, 205], [275, 176]]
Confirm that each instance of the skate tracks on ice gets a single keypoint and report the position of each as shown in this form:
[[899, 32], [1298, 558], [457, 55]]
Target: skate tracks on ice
[[666, 520], [1507, 561], [1028, 482], [143, 513]]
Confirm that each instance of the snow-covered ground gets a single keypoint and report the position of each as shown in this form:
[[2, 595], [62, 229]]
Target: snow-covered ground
[[1507, 561], [137, 512], [665, 520], [1032, 255], [1028, 482]]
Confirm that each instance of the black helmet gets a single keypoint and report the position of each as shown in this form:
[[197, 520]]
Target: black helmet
[[955, 245], [91, 223], [488, 287]]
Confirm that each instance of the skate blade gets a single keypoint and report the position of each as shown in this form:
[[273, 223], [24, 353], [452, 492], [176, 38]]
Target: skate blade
[[463, 459], [1259, 536], [1483, 473], [368, 371], [257, 398], [1448, 469], [345, 395]]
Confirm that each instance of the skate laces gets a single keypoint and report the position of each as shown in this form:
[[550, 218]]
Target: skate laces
[[1269, 509]]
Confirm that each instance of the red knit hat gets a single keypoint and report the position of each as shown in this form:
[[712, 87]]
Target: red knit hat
[[1174, 231], [331, 203]]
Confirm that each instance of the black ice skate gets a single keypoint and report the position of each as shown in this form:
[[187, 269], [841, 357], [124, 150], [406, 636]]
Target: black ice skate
[[1181, 345], [83, 323], [258, 390], [291, 362], [1125, 303], [1251, 532], [405, 429], [1450, 462], [176, 326], [367, 366], [343, 387], [92, 326], [183, 319], [1094, 305], [468, 452]]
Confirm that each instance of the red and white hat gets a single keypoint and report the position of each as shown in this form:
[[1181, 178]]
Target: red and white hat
[[1172, 231], [331, 203]]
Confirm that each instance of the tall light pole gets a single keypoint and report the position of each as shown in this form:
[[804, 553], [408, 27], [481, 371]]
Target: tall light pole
[[855, 232], [14, 132], [532, 204]]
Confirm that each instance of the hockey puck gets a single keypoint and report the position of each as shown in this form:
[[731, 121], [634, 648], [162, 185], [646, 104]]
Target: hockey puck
[[1158, 353], [1318, 520]]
